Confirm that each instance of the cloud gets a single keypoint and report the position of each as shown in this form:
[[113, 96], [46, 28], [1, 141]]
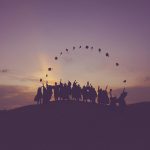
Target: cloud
[[3, 70], [15, 75], [15, 96], [28, 78], [23, 78], [68, 59], [147, 79]]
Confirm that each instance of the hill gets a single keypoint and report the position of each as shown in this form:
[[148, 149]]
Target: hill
[[75, 126]]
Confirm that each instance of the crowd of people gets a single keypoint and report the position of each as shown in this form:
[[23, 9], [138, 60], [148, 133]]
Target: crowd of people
[[87, 93]]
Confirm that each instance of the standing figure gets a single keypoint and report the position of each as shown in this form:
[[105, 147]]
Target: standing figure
[[105, 98], [99, 95], [65, 92], [74, 87], [69, 90], [78, 93], [45, 95], [121, 100], [61, 90], [93, 95], [88, 89], [56, 91], [84, 94], [113, 100], [49, 89], [38, 97]]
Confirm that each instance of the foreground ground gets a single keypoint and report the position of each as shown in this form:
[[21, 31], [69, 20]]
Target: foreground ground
[[75, 126]]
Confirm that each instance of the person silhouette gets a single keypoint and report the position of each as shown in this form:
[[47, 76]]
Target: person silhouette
[[74, 87], [61, 90], [84, 95], [49, 90], [78, 92], [45, 95], [113, 100], [105, 98], [121, 100], [65, 92], [56, 91], [99, 95], [38, 97], [69, 90], [93, 94], [88, 89]]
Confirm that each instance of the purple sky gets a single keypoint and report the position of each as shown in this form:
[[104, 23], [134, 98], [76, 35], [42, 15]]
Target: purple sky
[[33, 32]]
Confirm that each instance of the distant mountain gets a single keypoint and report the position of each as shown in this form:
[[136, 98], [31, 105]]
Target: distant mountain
[[68, 125]]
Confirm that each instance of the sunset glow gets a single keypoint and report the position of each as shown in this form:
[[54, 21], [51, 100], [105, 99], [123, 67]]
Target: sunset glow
[[34, 32]]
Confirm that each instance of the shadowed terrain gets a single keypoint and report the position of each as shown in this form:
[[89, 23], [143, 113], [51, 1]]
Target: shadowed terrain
[[68, 125]]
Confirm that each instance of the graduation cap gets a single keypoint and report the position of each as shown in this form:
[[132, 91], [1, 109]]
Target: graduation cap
[[56, 58], [86, 47], [107, 54], [99, 50], [61, 53], [4, 70], [67, 50], [80, 47], [92, 48], [40, 80], [117, 64], [124, 81], [46, 75], [49, 69], [74, 47]]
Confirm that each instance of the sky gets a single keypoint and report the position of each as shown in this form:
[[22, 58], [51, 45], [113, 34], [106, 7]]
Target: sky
[[33, 32]]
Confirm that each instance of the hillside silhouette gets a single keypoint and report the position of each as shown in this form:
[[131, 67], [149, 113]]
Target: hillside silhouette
[[69, 125]]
